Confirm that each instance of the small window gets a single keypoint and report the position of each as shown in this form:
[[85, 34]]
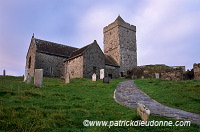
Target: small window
[[29, 63]]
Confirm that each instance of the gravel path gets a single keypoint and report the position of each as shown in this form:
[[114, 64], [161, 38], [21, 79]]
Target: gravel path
[[128, 94]]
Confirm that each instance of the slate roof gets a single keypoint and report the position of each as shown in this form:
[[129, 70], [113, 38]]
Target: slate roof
[[110, 61], [80, 51], [54, 48], [67, 51], [119, 19]]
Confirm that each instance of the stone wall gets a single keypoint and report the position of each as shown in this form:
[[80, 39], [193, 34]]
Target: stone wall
[[75, 67], [93, 60], [120, 43], [30, 58], [111, 43], [196, 68], [175, 74], [111, 71], [53, 66], [183, 67], [128, 48]]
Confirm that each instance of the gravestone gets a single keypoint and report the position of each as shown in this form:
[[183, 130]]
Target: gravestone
[[67, 79], [4, 72], [28, 78], [101, 73], [106, 80], [157, 75], [38, 78], [94, 77], [26, 75], [143, 111]]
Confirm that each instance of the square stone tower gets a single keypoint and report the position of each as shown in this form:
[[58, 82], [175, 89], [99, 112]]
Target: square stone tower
[[120, 44]]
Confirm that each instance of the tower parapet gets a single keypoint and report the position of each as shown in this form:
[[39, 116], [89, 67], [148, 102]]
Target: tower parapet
[[119, 22]]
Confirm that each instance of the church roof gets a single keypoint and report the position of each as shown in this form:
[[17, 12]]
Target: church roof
[[80, 51], [110, 61], [54, 48], [119, 19]]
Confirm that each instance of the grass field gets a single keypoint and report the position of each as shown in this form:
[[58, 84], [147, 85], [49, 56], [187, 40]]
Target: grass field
[[183, 95], [64, 107]]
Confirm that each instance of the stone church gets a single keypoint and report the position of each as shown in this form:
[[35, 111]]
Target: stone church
[[119, 56]]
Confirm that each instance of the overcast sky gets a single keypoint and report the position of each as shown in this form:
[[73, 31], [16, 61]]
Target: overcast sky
[[168, 31]]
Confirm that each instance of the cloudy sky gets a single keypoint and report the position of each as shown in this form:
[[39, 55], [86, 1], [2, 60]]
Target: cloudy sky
[[168, 31]]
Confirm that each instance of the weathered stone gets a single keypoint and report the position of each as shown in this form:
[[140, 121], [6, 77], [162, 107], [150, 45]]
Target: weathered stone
[[182, 67], [90, 59], [143, 111], [196, 68], [111, 71], [120, 44], [175, 74], [101, 73], [38, 79], [4, 72], [157, 75], [25, 75], [28, 79], [67, 78], [48, 56], [120, 55], [94, 77], [106, 80]]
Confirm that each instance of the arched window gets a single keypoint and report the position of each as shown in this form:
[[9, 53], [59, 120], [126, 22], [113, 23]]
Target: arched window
[[29, 63]]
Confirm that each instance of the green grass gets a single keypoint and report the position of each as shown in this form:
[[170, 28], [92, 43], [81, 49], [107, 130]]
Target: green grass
[[183, 95], [64, 107]]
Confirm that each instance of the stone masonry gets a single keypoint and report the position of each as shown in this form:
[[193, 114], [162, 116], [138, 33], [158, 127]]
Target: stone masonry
[[196, 68], [86, 61], [120, 43], [175, 74], [120, 55], [94, 60], [53, 66], [30, 58], [75, 67], [48, 56]]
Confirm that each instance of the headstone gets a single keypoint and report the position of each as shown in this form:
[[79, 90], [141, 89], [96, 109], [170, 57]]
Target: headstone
[[38, 79], [28, 79], [4, 72], [94, 77], [26, 75], [101, 73], [106, 80], [67, 80], [157, 75], [143, 111]]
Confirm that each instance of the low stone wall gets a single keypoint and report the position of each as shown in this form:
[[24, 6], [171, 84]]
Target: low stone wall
[[175, 74], [111, 71], [196, 68]]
